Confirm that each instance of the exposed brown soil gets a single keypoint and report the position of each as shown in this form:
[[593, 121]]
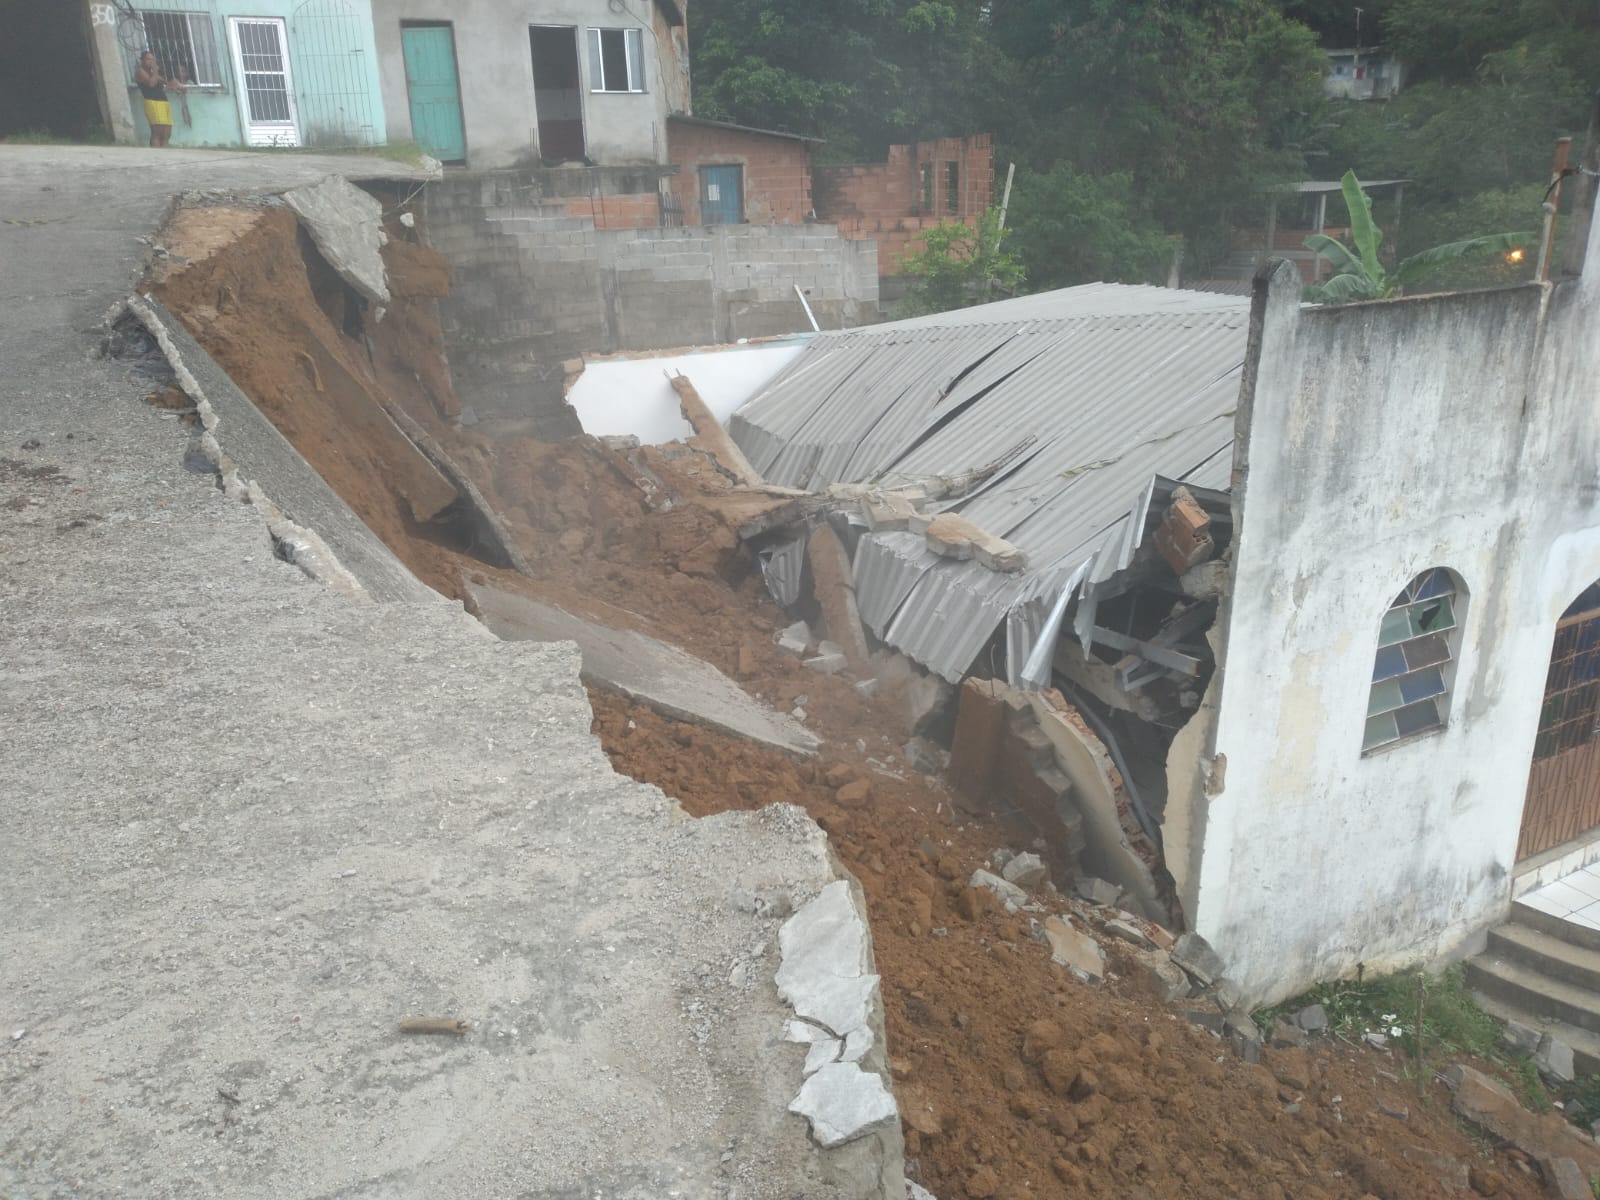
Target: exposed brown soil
[[1014, 1080]]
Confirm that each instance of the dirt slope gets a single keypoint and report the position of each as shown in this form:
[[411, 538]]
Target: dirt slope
[[1015, 1081]]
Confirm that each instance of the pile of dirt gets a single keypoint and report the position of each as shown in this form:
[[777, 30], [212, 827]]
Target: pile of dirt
[[1014, 1079]]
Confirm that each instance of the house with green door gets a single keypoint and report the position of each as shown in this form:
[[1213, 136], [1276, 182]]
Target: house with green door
[[494, 84], [259, 72]]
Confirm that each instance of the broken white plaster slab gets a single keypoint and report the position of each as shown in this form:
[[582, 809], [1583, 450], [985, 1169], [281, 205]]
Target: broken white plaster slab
[[857, 1044], [915, 1191], [1008, 892], [347, 226], [823, 975], [843, 1102], [1076, 951]]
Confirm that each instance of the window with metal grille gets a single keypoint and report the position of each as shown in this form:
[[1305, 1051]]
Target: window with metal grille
[[1415, 663], [616, 60], [1570, 716], [181, 39], [952, 188]]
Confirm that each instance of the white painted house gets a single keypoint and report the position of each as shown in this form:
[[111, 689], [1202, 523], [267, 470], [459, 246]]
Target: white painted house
[[1402, 730]]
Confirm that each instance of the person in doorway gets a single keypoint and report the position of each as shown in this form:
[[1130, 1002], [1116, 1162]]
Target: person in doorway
[[153, 87]]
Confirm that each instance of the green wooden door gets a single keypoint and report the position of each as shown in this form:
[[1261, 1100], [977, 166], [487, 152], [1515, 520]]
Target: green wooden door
[[435, 91]]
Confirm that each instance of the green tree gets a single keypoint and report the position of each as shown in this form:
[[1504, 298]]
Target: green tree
[[960, 265], [1202, 102], [1072, 227], [1359, 274], [863, 74]]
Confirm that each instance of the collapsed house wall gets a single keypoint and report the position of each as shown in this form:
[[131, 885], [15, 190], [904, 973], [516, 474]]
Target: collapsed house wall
[[1377, 441]]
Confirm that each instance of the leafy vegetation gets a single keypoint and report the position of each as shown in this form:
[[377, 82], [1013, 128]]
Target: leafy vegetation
[[1133, 122], [1359, 273], [1432, 1018], [960, 265]]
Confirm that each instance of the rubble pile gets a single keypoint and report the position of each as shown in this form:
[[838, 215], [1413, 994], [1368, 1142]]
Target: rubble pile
[[1051, 1027]]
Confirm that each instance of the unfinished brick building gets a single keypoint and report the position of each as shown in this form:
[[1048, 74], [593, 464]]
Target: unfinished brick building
[[951, 179]]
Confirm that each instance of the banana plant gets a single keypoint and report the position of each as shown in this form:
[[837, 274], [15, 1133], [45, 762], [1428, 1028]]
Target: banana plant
[[1359, 275]]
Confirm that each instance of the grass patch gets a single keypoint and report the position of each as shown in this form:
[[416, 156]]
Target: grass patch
[[1435, 1012]]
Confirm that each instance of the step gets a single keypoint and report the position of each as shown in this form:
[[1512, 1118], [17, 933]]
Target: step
[[1548, 954], [1549, 999], [1533, 918], [1585, 1045]]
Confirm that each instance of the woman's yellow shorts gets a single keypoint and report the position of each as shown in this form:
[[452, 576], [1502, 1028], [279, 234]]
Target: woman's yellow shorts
[[158, 112]]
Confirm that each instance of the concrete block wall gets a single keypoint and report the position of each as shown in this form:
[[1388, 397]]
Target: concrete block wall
[[532, 284]]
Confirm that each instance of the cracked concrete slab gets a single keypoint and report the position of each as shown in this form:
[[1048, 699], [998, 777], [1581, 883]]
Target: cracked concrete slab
[[347, 226], [252, 825], [646, 669]]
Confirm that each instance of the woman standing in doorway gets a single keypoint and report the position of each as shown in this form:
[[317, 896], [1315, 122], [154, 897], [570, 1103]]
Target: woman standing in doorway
[[153, 87]]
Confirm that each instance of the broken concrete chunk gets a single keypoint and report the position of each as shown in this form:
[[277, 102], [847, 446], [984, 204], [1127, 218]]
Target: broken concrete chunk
[[842, 1102], [1490, 1105], [915, 1191], [1195, 955], [1313, 1018], [795, 639], [1076, 951], [1131, 933], [857, 1044], [822, 1052], [1554, 1059], [1520, 1038], [827, 664], [834, 586], [1008, 892], [922, 755], [823, 975], [1564, 1179], [1226, 993], [1285, 1033], [1097, 891], [951, 536], [866, 687], [887, 512], [345, 223], [1163, 977], [1205, 581], [1026, 870]]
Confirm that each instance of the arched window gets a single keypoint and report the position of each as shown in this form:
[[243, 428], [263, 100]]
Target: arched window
[[1415, 664]]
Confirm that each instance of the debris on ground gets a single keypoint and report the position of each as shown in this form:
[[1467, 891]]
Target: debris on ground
[[1046, 1032]]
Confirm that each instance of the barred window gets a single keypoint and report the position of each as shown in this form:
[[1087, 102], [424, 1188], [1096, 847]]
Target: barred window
[[1415, 663], [181, 39]]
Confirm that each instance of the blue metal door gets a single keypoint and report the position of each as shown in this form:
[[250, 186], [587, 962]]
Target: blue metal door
[[431, 81], [721, 195]]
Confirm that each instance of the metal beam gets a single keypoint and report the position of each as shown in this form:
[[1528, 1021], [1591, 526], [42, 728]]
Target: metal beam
[[1173, 660]]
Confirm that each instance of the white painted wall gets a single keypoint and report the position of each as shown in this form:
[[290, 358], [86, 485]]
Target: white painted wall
[[1460, 431], [632, 396]]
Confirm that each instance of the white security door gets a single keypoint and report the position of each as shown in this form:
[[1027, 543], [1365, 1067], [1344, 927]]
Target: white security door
[[266, 93]]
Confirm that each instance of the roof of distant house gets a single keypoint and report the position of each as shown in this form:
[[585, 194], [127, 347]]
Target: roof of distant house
[[1334, 185], [708, 123], [1089, 399]]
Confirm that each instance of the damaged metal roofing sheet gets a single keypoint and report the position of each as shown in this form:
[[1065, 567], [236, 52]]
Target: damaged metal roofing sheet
[[1082, 396]]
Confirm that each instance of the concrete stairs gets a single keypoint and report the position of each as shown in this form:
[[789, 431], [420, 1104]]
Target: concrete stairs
[[1543, 972]]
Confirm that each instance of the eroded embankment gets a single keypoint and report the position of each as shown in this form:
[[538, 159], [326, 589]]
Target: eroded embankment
[[1014, 1079]]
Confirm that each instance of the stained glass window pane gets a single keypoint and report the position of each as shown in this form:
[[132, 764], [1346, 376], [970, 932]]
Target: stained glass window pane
[[1422, 685], [1426, 651], [1379, 730], [1385, 696], [1415, 718], [1391, 661], [1396, 627]]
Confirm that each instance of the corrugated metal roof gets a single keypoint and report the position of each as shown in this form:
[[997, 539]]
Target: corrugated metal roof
[[1084, 395]]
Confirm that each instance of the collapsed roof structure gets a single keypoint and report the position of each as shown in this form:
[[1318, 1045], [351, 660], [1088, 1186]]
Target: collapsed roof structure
[[1069, 419]]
